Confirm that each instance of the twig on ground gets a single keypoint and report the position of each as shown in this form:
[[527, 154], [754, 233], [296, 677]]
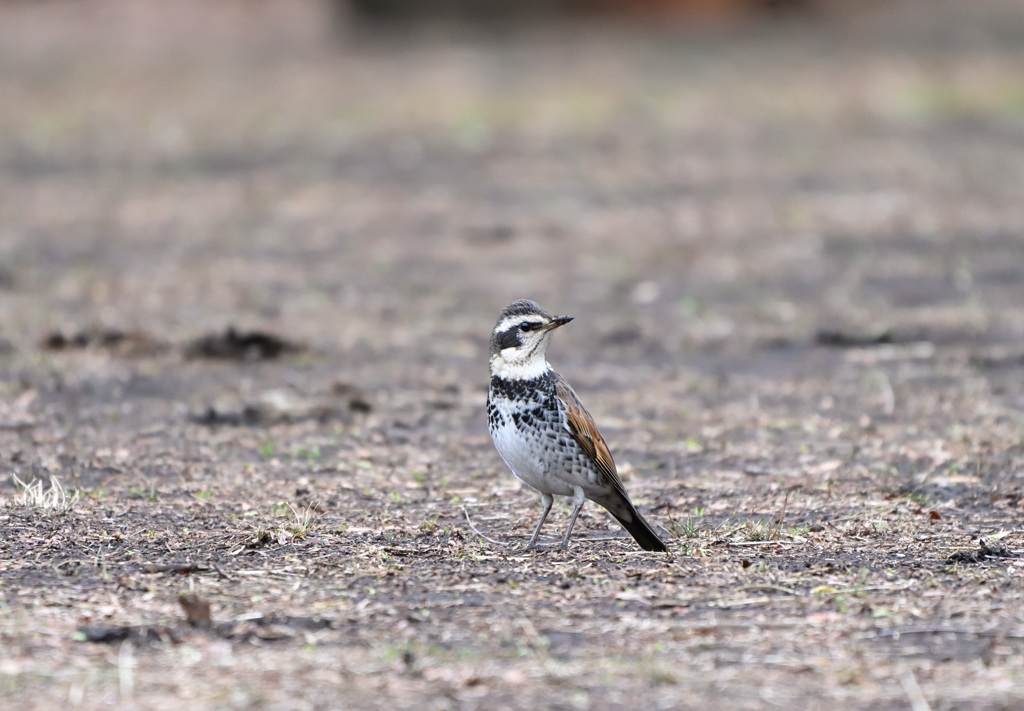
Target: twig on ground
[[599, 539], [221, 573], [479, 532], [771, 588], [914, 694], [949, 630], [782, 516], [176, 568]]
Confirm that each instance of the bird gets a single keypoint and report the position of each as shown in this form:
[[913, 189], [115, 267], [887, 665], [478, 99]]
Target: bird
[[542, 431]]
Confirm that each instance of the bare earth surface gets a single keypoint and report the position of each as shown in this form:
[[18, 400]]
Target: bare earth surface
[[795, 254]]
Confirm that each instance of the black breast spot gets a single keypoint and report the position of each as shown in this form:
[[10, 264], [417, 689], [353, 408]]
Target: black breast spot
[[535, 390]]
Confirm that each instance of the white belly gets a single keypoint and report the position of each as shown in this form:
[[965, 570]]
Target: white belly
[[525, 457]]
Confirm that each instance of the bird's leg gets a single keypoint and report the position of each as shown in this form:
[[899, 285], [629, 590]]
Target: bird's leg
[[578, 499], [547, 500]]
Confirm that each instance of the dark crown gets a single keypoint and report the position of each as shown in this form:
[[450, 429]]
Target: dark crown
[[523, 307]]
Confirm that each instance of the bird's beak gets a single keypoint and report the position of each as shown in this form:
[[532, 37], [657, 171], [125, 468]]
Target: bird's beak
[[558, 321]]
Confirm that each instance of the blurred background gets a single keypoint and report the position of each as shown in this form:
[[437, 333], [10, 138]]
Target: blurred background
[[379, 175], [251, 252]]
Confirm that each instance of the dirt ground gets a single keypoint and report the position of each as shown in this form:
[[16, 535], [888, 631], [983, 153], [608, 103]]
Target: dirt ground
[[249, 262]]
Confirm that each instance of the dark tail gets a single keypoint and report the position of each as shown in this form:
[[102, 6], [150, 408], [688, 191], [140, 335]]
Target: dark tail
[[641, 531]]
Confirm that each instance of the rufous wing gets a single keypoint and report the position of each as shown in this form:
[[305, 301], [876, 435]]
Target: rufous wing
[[585, 432]]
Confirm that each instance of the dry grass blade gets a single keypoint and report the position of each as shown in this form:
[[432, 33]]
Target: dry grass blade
[[55, 498], [304, 520]]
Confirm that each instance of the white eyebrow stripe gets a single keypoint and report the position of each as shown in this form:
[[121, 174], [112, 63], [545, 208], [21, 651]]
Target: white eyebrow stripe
[[510, 321]]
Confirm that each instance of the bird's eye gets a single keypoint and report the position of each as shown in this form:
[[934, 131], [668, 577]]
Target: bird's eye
[[527, 326]]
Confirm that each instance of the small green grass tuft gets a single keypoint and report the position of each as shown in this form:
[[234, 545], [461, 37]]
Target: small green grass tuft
[[304, 520]]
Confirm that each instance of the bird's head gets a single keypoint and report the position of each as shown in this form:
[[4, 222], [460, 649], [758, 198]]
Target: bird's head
[[520, 339]]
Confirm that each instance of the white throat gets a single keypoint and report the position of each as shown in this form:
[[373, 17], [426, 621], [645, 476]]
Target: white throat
[[518, 370]]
